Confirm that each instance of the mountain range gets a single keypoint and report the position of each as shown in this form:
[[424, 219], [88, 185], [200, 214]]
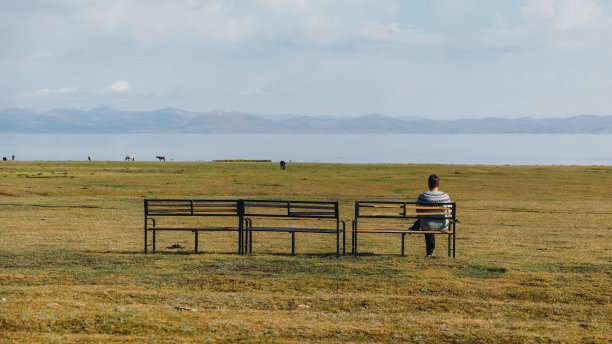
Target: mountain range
[[170, 120]]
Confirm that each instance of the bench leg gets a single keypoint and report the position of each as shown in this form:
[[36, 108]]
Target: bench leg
[[337, 243], [145, 237], [153, 241], [355, 242], [344, 242], [454, 244], [293, 243], [449, 245], [243, 241], [403, 243], [246, 241], [353, 237], [240, 241]]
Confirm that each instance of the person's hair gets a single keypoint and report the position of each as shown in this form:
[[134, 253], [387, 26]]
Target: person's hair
[[433, 181]]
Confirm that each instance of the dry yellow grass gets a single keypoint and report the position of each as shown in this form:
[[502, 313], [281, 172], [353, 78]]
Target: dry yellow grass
[[533, 262]]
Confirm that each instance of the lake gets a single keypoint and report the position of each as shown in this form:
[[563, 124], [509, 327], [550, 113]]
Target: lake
[[489, 149]]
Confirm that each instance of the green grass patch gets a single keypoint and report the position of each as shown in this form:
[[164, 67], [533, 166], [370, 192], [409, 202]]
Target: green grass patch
[[479, 271]]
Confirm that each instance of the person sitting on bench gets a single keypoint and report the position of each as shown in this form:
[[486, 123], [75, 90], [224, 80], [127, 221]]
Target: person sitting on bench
[[428, 198]]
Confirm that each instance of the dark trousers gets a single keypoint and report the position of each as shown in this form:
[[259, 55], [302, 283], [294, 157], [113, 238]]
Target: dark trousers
[[430, 239], [430, 243]]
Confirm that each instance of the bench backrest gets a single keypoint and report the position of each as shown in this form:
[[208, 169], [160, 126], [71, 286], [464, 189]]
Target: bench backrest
[[291, 209], [193, 207], [404, 210]]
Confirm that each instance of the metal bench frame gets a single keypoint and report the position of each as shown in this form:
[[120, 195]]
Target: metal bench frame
[[317, 210], [154, 208], [403, 213]]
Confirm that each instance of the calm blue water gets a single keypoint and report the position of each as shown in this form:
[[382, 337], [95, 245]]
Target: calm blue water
[[493, 149]]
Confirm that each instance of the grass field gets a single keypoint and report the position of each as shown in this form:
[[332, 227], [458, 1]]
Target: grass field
[[534, 257]]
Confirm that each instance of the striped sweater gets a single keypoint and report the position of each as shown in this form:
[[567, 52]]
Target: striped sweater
[[433, 197]]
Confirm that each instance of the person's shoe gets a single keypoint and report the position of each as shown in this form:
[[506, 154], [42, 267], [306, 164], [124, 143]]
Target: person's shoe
[[429, 256]]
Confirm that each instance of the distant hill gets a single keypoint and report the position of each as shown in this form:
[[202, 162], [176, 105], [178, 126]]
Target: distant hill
[[109, 120]]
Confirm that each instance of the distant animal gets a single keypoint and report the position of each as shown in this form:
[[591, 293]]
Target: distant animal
[[89, 158], [129, 157], [3, 158], [160, 158], [282, 165]]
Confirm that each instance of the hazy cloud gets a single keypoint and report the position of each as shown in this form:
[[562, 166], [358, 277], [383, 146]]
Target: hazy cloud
[[576, 14], [193, 21], [562, 14], [557, 24], [265, 90], [537, 11], [115, 87], [397, 33], [56, 91], [119, 86]]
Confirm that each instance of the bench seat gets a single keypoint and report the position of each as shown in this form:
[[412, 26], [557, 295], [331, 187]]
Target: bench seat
[[402, 231], [192, 229], [293, 229]]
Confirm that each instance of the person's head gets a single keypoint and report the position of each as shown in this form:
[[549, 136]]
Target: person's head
[[433, 181]]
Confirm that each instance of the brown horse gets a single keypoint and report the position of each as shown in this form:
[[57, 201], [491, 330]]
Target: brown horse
[[160, 158]]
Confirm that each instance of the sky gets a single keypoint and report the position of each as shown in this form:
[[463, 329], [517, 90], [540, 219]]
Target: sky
[[440, 59]]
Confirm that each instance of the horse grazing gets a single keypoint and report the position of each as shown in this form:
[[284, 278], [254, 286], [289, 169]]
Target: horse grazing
[[160, 158], [282, 165], [129, 157]]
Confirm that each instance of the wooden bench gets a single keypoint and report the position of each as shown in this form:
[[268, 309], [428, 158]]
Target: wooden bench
[[156, 209], [292, 217], [376, 217]]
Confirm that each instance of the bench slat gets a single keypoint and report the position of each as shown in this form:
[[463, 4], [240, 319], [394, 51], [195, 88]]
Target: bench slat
[[284, 206], [312, 213], [259, 205], [177, 204], [381, 206], [382, 214], [169, 206], [214, 210], [380, 231], [431, 214], [330, 207], [212, 205], [402, 214], [292, 229], [188, 211], [427, 207], [194, 228], [400, 231], [188, 204]]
